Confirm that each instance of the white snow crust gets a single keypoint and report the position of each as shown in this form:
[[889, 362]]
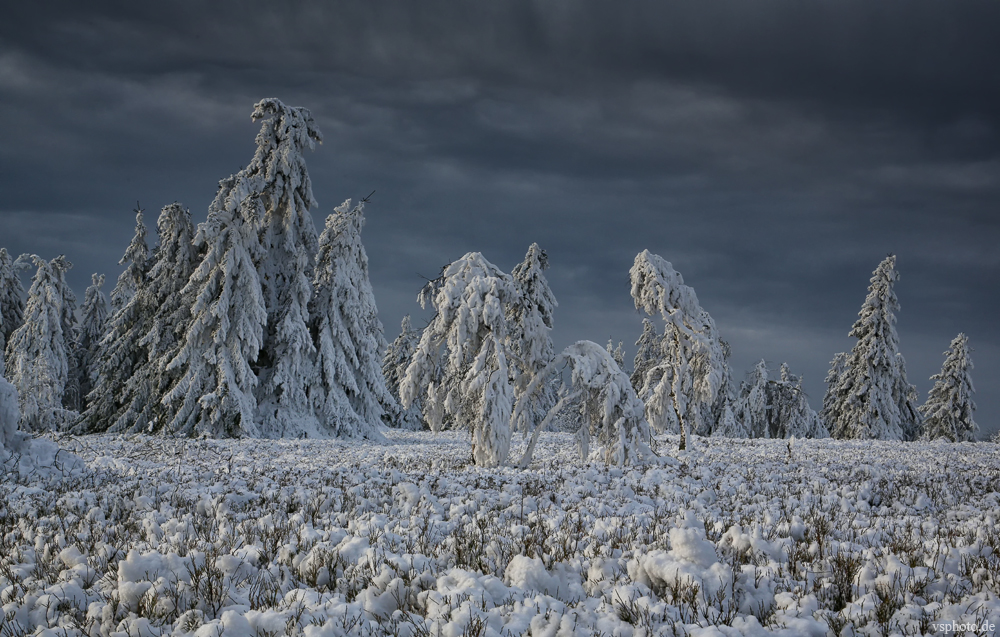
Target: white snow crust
[[320, 538]]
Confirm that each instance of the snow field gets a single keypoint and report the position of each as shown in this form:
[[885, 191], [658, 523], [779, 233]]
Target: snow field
[[322, 538]]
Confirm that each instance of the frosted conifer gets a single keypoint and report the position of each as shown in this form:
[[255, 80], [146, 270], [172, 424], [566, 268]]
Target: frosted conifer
[[460, 364], [394, 363], [612, 413], [288, 236], [349, 390], [948, 412], [95, 318], [37, 361], [147, 334], [11, 302], [692, 369], [136, 256], [871, 398], [11, 439], [617, 353], [649, 352], [751, 408], [213, 393], [530, 321]]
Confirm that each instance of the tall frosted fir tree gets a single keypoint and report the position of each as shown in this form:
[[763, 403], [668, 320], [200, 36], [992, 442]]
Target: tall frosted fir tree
[[38, 352], [948, 412], [461, 362], [11, 302], [530, 321], [288, 237], [95, 318], [146, 332], [871, 398], [349, 389], [394, 363], [119, 354], [213, 393], [683, 386], [135, 256]]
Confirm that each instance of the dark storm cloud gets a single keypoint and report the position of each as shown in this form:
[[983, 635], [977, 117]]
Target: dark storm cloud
[[773, 151]]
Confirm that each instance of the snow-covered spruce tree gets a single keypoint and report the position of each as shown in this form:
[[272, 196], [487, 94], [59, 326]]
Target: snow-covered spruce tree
[[213, 393], [612, 413], [530, 320], [119, 354], [288, 236], [349, 390], [71, 334], [776, 407], [11, 439], [688, 377], [871, 398], [948, 412], [11, 302], [136, 256], [649, 352], [751, 408], [394, 363], [460, 364], [147, 334], [791, 414], [830, 411], [37, 360], [617, 353], [92, 329]]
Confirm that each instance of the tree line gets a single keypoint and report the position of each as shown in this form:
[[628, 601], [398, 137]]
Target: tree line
[[253, 324]]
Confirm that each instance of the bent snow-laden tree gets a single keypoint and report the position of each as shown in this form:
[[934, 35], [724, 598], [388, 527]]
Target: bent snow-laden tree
[[871, 398], [530, 321], [349, 390], [460, 365], [38, 352], [612, 413], [397, 358], [681, 388], [948, 412], [213, 393]]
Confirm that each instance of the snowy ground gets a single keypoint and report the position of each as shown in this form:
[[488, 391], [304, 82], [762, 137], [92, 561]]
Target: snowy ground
[[318, 538]]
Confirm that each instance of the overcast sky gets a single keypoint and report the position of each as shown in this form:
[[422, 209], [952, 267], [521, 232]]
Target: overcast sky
[[773, 151]]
